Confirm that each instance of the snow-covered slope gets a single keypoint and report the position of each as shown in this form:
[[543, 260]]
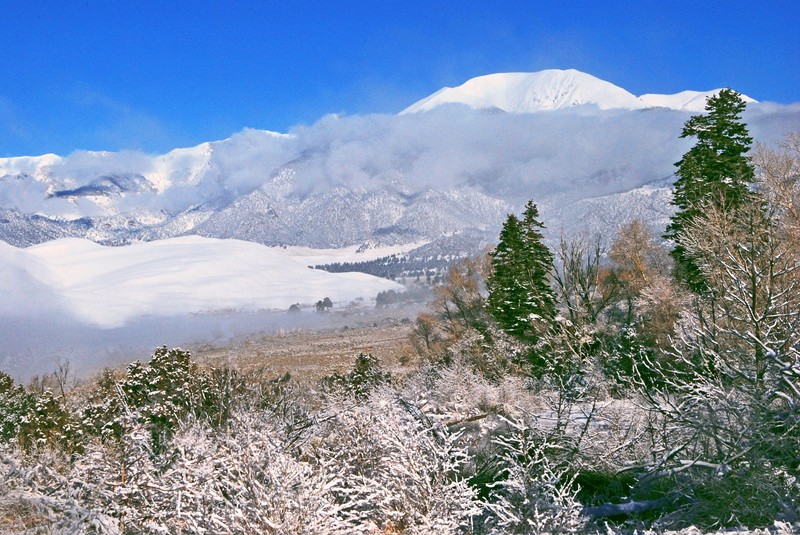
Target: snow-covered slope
[[531, 92], [554, 89], [109, 286], [693, 101], [102, 184]]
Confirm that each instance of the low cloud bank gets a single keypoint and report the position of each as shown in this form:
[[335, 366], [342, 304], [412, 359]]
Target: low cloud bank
[[580, 152]]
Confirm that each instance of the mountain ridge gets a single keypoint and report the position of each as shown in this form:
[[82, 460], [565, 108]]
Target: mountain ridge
[[552, 89], [366, 180]]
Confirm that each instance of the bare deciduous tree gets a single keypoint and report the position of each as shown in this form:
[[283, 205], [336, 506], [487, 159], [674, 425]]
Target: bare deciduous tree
[[778, 175], [730, 397]]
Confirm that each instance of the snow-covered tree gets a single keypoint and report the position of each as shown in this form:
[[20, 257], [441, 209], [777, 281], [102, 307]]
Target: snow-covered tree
[[778, 179], [730, 399], [521, 299], [716, 170]]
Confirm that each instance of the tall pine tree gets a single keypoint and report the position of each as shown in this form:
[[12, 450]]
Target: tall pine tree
[[521, 299], [715, 171]]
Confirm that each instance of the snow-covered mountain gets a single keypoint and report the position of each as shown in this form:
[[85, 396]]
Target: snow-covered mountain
[[520, 92], [432, 186], [553, 89], [379, 179]]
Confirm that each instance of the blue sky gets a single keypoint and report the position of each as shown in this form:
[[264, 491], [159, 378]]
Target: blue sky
[[157, 75]]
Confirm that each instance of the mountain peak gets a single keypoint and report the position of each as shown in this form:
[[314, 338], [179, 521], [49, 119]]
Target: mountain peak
[[520, 92], [553, 89]]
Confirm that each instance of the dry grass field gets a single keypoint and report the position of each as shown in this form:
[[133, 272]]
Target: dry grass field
[[309, 353]]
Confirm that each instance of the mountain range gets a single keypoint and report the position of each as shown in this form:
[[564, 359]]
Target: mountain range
[[372, 193], [455, 162]]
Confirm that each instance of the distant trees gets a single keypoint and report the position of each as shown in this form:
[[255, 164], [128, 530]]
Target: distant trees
[[386, 298], [716, 171], [324, 305]]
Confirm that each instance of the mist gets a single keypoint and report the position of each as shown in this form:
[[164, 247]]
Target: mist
[[38, 345]]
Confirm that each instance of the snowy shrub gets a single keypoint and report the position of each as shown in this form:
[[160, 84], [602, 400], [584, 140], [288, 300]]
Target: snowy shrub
[[162, 393], [36, 421], [49, 424], [531, 495], [15, 405], [367, 373], [36, 497], [401, 471], [457, 392], [241, 481]]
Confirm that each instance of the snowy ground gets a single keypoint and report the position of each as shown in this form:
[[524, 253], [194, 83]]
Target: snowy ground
[[75, 300]]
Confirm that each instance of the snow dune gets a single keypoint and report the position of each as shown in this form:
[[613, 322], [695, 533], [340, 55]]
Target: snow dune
[[107, 287]]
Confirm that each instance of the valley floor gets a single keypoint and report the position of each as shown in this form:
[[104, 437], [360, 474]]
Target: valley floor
[[311, 353]]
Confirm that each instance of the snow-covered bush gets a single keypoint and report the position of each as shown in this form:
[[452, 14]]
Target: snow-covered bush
[[367, 374], [50, 424], [239, 481], [402, 471], [531, 494], [35, 497], [35, 421], [162, 394], [15, 405]]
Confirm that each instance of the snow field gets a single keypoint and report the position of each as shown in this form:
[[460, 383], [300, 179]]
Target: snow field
[[109, 286]]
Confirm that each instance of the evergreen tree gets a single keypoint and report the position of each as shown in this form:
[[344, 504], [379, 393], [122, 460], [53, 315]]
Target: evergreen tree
[[520, 297], [716, 171]]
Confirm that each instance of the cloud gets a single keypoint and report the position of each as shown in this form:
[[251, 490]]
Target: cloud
[[770, 122], [506, 155], [549, 157]]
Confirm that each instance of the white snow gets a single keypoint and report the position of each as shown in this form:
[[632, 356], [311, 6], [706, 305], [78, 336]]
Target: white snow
[[109, 286], [355, 253], [531, 92], [693, 101], [554, 89]]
